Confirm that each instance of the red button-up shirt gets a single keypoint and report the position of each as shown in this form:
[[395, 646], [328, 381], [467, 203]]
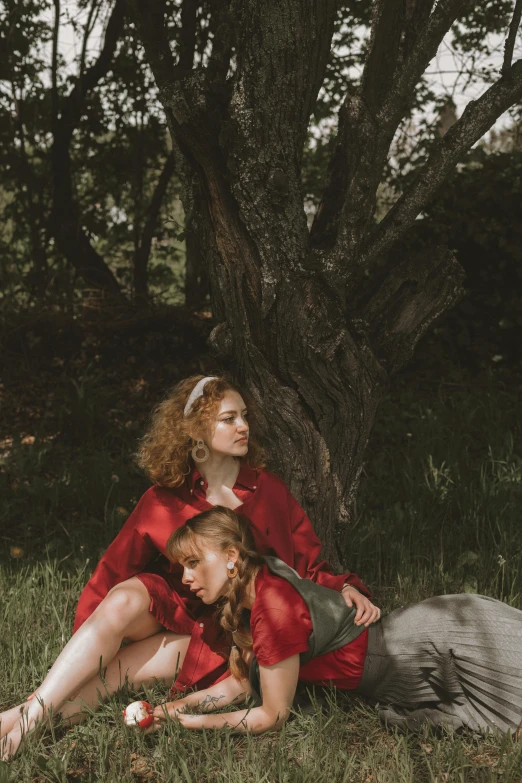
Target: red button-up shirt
[[279, 525]]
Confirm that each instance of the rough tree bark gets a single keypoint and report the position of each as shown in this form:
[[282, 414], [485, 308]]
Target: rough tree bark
[[196, 267], [314, 323]]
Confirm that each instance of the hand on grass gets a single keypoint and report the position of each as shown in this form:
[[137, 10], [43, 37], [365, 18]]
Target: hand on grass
[[366, 613], [169, 709], [174, 710]]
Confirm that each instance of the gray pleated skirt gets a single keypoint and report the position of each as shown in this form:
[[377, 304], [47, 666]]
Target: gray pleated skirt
[[453, 660]]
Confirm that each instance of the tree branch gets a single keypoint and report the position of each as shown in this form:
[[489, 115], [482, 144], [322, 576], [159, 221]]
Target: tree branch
[[369, 119], [91, 20], [73, 104], [150, 20], [65, 222], [142, 254], [476, 119], [282, 49], [409, 296], [422, 52], [194, 115], [54, 66], [384, 51], [187, 44], [417, 13], [220, 26], [30, 196], [512, 37]]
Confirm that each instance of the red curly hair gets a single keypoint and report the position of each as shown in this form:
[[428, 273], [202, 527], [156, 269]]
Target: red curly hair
[[164, 452]]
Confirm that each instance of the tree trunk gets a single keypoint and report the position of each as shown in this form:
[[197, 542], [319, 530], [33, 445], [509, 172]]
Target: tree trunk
[[196, 258], [142, 253], [71, 239], [319, 380], [40, 272], [314, 324]]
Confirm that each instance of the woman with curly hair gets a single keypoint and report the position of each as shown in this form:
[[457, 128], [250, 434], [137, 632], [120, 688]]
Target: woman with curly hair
[[200, 451]]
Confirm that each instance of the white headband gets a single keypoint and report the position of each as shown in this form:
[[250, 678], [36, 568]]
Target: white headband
[[196, 392]]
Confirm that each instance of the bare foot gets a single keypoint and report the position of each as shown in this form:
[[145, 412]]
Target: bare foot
[[24, 725], [9, 719], [11, 742]]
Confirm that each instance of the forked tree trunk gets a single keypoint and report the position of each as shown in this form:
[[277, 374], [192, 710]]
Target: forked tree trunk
[[313, 323]]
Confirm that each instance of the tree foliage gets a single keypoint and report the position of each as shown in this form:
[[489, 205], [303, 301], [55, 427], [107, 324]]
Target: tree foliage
[[113, 139]]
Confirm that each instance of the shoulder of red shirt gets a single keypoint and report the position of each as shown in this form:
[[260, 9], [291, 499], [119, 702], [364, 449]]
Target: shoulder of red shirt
[[278, 609], [275, 592]]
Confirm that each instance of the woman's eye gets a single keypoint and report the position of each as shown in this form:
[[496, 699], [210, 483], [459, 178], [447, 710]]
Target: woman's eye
[[192, 563], [229, 419]]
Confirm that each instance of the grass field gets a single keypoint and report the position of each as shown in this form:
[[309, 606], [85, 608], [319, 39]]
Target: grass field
[[439, 512]]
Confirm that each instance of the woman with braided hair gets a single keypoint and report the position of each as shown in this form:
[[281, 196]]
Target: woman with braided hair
[[452, 660], [200, 451]]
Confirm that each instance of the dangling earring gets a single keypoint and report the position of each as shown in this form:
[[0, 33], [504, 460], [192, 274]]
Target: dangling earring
[[231, 569], [200, 446]]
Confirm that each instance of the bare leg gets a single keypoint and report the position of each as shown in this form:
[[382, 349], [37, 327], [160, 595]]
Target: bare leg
[[143, 663], [123, 614], [153, 660]]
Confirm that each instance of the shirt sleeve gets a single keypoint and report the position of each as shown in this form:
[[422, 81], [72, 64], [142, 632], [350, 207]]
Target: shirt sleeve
[[280, 624], [130, 552], [307, 549]]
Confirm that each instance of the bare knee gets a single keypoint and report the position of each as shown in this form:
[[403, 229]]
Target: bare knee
[[122, 606]]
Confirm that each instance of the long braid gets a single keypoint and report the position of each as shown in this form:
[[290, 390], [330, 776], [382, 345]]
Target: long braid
[[223, 528], [230, 615]]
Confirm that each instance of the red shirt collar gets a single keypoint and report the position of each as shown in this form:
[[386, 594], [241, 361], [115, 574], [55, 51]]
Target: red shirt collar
[[247, 477]]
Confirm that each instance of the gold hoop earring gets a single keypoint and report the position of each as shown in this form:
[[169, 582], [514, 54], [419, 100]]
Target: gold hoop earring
[[231, 569], [200, 446]]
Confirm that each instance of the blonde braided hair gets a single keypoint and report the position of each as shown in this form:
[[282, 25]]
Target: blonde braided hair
[[220, 528]]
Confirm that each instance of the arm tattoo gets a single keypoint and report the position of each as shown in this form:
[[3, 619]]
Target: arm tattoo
[[210, 703]]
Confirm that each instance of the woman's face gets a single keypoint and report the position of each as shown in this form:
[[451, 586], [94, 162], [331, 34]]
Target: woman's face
[[206, 572], [229, 435]]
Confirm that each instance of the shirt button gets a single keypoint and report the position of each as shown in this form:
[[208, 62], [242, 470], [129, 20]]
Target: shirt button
[[201, 625], [254, 487], [201, 481]]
